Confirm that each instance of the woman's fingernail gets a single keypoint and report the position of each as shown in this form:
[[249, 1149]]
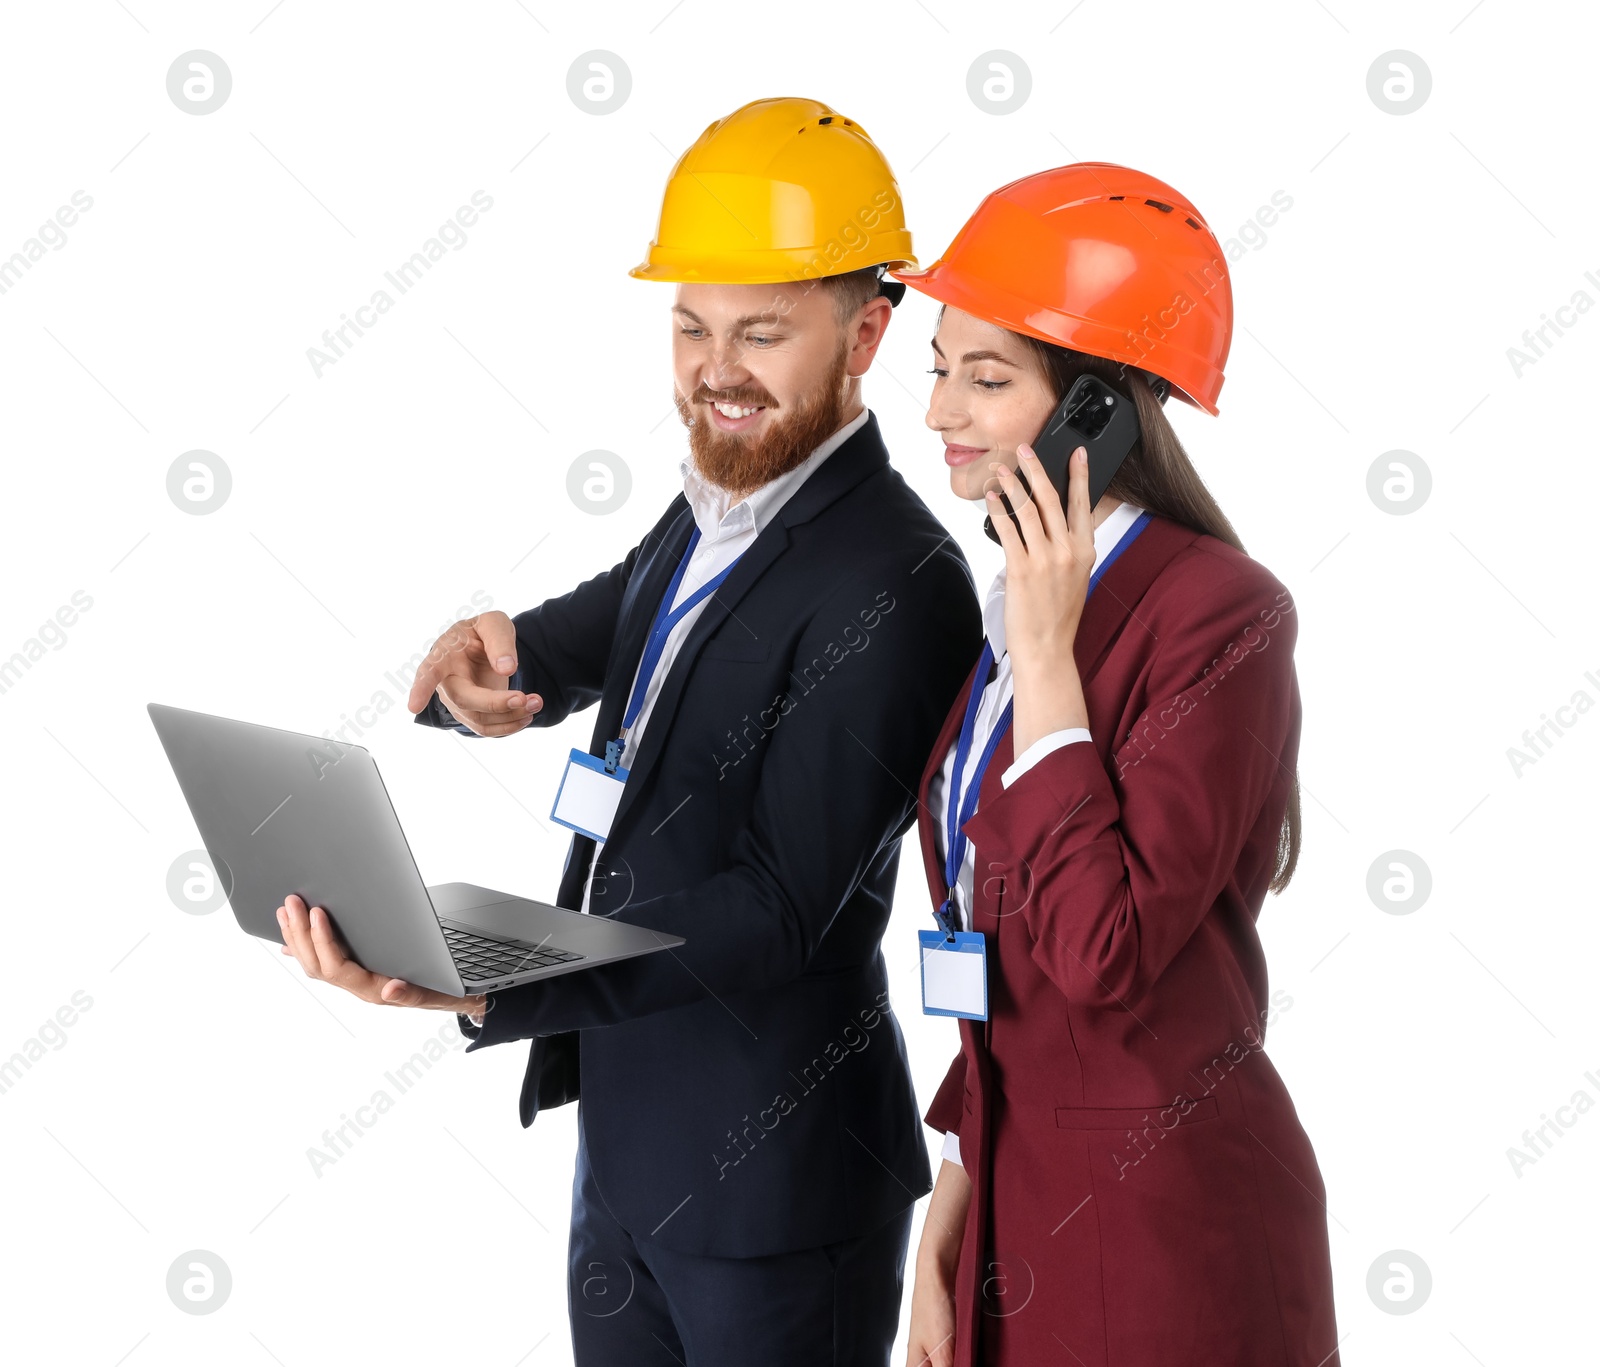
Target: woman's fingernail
[[504, 662]]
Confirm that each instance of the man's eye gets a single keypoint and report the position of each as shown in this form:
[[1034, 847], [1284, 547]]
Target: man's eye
[[759, 339], [693, 332]]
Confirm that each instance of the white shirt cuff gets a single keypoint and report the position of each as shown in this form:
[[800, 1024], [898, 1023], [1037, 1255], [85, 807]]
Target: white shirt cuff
[[1039, 749], [951, 1152]]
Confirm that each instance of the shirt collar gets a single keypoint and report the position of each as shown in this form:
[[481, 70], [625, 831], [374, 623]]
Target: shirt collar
[[1106, 536], [717, 515]]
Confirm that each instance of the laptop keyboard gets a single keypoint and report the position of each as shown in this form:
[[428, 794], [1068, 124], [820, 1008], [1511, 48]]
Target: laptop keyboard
[[478, 957]]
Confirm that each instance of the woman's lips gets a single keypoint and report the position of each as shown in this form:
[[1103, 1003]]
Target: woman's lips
[[962, 455]]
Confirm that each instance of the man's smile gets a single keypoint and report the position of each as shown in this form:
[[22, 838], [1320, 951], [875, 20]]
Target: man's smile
[[734, 417]]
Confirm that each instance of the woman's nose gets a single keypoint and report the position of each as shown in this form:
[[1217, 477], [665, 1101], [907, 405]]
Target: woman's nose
[[941, 417]]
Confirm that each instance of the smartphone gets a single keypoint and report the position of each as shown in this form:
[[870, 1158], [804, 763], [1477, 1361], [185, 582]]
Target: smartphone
[[1093, 416]]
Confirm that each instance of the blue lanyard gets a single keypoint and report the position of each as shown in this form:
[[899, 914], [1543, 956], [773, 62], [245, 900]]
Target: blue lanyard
[[667, 617], [959, 805]]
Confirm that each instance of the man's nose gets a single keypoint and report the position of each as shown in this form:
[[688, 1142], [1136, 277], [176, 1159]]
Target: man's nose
[[726, 367]]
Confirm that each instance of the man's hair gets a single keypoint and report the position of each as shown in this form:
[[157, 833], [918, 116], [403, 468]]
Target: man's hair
[[851, 290]]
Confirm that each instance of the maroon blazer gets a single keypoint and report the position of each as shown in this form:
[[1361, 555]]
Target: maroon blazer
[[1143, 1193]]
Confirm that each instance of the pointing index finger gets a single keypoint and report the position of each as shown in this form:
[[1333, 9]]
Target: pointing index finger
[[441, 660]]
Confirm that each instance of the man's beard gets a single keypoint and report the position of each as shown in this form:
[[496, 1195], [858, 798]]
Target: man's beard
[[743, 464]]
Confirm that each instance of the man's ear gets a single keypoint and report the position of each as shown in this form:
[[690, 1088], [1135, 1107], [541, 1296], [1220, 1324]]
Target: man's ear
[[870, 325]]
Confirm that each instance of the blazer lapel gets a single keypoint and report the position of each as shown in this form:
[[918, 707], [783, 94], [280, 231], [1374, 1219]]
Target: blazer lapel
[[1113, 603], [926, 816], [645, 591], [862, 455], [1116, 599]]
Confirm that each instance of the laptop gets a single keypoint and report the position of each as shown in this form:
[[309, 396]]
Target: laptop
[[279, 812]]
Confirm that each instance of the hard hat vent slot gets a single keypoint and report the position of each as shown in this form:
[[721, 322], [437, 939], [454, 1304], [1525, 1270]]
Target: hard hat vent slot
[[1157, 204], [1192, 223], [825, 120]]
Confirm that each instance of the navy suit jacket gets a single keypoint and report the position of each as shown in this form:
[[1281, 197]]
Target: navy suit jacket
[[747, 1092]]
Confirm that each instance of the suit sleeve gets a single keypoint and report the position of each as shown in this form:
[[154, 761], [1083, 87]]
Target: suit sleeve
[[837, 786], [1115, 867]]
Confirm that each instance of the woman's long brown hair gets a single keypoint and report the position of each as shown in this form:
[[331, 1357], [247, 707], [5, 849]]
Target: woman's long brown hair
[[1159, 475]]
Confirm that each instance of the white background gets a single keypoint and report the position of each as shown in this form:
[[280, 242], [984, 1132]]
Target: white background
[[429, 463]]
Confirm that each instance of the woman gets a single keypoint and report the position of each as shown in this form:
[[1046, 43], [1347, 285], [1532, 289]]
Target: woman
[[1125, 1181]]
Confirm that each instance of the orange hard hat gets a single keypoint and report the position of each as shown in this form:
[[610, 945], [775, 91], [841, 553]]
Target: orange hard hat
[[1102, 259]]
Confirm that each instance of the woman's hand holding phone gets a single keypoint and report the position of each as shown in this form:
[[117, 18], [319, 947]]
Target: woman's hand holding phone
[[1047, 583]]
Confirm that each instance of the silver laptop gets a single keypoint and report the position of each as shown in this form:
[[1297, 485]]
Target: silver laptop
[[279, 812]]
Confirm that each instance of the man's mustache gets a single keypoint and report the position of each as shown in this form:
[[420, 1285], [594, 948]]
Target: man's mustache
[[744, 397]]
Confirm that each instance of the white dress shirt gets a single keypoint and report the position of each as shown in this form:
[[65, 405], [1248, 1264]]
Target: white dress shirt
[[726, 532], [993, 702]]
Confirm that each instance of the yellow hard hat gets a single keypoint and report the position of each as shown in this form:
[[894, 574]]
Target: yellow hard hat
[[780, 189]]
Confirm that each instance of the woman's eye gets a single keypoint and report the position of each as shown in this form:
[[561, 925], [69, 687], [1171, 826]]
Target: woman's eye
[[940, 373], [992, 385]]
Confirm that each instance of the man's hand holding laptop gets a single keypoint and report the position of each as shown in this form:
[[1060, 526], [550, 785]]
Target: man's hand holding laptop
[[310, 936], [470, 667]]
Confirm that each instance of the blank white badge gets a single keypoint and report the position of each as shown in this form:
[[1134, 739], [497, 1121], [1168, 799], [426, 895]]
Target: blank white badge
[[587, 800], [953, 980]]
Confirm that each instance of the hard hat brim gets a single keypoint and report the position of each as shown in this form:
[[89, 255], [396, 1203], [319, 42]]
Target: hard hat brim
[[765, 267], [1046, 325]]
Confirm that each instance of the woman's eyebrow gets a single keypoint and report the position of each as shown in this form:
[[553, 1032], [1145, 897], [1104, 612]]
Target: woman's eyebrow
[[972, 356]]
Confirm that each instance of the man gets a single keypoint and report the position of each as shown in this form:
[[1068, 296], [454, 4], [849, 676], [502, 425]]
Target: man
[[750, 1149]]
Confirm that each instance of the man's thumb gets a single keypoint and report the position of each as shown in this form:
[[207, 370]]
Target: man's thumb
[[499, 639]]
